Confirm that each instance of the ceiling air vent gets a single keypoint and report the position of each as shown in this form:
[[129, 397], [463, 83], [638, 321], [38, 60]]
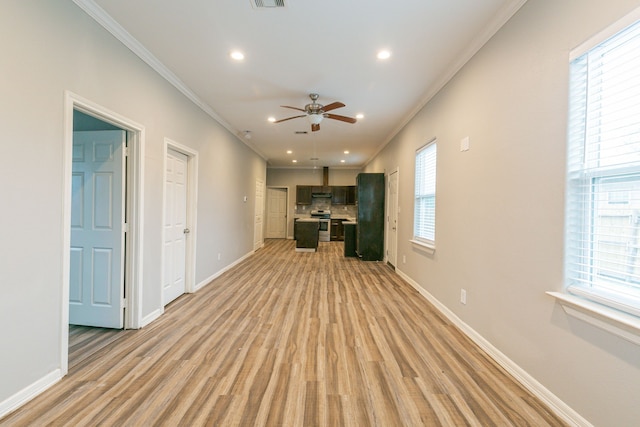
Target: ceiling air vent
[[261, 4]]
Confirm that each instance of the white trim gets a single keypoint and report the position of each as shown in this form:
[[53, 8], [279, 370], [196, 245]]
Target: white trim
[[151, 317], [26, 394], [531, 384], [108, 23], [136, 136], [616, 322], [192, 211], [429, 249], [390, 203], [629, 19], [214, 276]]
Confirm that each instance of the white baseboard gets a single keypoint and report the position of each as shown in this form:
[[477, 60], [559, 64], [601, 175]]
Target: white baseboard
[[530, 383], [151, 317], [23, 396], [209, 279]]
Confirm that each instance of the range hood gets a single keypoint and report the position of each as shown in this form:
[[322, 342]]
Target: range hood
[[326, 191]]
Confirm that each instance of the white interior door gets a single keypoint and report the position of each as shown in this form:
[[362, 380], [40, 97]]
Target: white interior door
[[258, 232], [175, 226], [392, 217], [96, 282], [277, 213]]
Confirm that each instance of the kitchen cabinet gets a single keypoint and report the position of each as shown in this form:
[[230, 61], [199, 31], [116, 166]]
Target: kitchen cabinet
[[370, 224], [350, 239], [351, 195], [337, 229], [306, 232], [303, 194], [343, 195], [339, 195]]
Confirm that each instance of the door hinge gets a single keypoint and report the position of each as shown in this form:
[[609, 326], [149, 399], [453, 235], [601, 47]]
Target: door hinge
[[123, 302], [125, 227], [126, 151]]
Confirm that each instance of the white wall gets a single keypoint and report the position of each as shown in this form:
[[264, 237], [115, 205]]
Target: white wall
[[499, 227], [50, 47]]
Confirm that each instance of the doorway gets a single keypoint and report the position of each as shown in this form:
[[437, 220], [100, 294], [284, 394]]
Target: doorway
[[115, 196], [258, 232], [277, 213], [392, 218], [179, 220]]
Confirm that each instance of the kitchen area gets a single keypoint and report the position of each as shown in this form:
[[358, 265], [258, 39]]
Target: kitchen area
[[350, 214]]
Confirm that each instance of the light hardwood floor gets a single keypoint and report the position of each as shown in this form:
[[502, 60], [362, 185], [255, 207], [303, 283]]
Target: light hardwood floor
[[287, 339]]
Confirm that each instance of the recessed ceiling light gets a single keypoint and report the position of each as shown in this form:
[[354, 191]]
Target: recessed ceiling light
[[272, 119], [359, 116], [346, 151], [289, 151], [237, 55], [294, 161], [384, 54], [342, 161]]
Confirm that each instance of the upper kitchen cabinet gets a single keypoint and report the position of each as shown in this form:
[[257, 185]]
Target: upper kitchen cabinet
[[352, 195], [303, 194], [339, 195], [343, 195]]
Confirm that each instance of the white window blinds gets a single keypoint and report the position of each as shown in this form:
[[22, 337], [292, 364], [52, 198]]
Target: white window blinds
[[603, 173], [424, 226]]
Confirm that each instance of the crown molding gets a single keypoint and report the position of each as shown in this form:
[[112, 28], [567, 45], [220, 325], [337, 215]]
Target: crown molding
[[107, 22], [500, 19]]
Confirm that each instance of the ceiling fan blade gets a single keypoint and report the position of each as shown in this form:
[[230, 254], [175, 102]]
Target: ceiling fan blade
[[289, 118], [341, 118], [332, 106], [294, 108], [315, 127]]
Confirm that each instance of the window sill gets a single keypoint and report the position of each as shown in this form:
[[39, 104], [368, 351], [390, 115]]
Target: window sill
[[430, 249], [616, 322]]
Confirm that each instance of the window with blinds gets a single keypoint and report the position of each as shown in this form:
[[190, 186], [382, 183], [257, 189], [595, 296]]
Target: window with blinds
[[603, 173], [424, 219]]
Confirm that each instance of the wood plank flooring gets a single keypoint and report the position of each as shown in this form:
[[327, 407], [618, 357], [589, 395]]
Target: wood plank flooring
[[287, 339]]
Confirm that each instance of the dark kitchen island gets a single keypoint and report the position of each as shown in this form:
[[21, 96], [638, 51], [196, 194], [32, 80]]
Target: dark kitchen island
[[306, 233]]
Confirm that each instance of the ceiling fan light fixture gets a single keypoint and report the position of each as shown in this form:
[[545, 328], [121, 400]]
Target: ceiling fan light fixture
[[314, 119]]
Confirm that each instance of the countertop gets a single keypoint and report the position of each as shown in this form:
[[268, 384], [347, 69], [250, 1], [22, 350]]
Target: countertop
[[307, 219]]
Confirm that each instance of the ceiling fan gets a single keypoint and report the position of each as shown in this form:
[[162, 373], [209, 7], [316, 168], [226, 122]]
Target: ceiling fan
[[316, 112]]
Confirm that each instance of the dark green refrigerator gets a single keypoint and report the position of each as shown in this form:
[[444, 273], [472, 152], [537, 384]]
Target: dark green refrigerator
[[370, 226]]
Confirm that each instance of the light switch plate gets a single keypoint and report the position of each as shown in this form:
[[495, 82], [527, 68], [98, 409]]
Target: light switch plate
[[464, 144]]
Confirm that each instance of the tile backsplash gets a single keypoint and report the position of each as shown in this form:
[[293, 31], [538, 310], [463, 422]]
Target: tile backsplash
[[320, 203]]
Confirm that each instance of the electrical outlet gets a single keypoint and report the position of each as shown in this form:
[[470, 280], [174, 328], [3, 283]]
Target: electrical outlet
[[404, 259], [219, 256], [463, 296]]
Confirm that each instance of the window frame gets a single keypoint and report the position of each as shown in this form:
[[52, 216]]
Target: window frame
[[425, 213], [607, 305]]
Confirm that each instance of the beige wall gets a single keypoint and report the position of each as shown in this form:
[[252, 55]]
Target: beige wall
[[500, 207], [49, 47]]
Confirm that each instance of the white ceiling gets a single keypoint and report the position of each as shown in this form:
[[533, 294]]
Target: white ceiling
[[324, 46]]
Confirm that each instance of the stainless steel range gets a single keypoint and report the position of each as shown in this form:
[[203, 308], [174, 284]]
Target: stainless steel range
[[324, 219]]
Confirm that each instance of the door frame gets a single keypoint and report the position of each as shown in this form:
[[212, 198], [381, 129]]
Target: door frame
[[134, 213], [278, 187], [192, 209], [392, 204], [263, 189]]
